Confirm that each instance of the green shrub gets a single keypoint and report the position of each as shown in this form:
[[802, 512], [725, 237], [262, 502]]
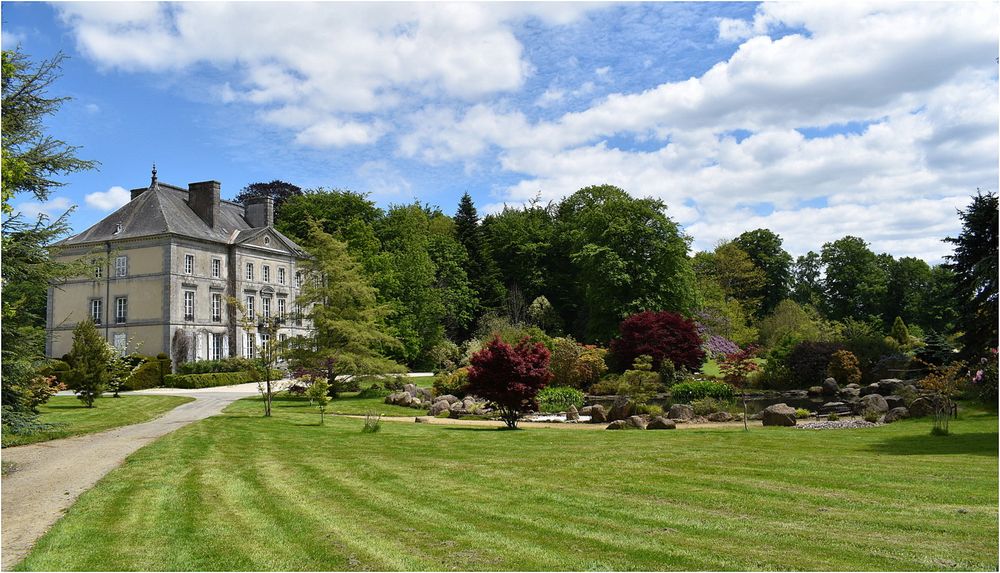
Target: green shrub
[[453, 383], [808, 361], [576, 365], [373, 423], [149, 375], [801, 413], [833, 417], [210, 380], [706, 406], [668, 373], [351, 384], [870, 415], [558, 398], [652, 410], [686, 392], [376, 390], [843, 367], [607, 386]]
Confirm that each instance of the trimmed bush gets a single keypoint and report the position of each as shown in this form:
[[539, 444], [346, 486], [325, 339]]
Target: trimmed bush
[[558, 398], [211, 379], [659, 335], [453, 383], [686, 392], [843, 367], [149, 375]]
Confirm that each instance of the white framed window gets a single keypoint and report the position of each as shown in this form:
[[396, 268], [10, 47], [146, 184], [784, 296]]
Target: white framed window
[[298, 315], [281, 275], [96, 310], [188, 264], [250, 311], [216, 307], [98, 269], [121, 310], [121, 266], [216, 353], [266, 272], [188, 305], [281, 308], [298, 279], [249, 271], [251, 351], [216, 268], [265, 306], [265, 339]]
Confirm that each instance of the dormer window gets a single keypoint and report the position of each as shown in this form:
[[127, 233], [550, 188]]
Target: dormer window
[[118, 229]]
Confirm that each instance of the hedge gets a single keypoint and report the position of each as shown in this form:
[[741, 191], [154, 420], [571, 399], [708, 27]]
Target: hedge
[[191, 381], [149, 375], [685, 392]]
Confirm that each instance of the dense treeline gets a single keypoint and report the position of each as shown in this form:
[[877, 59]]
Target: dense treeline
[[579, 266]]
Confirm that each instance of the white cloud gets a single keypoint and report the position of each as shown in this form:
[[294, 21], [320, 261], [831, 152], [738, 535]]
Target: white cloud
[[383, 180], [10, 40], [108, 200], [52, 208]]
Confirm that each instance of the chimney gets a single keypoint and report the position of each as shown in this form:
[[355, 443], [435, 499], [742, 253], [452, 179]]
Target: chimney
[[203, 198], [260, 212], [137, 192]]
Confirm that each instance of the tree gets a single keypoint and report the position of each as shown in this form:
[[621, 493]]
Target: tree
[[908, 290], [763, 247], [451, 281], [899, 332], [807, 286], [480, 267], [661, 335], [510, 377], [345, 215], [90, 357], [318, 393], [787, 319], [31, 162], [279, 191], [855, 284], [520, 244], [348, 336], [974, 263]]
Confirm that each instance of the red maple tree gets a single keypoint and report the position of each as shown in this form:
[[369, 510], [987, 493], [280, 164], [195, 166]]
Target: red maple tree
[[660, 335], [510, 377]]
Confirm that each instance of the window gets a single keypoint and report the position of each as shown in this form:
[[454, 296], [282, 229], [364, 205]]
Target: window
[[283, 338], [281, 308], [121, 310], [265, 339], [298, 315], [98, 269], [249, 271], [188, 264], [265, 307], [281, 275], [121, 266], [298, 279], [251, 345], [216, 268], [250, 313], [96, 310], [216, 307], [266, 270], [217, 346], [188, 305]]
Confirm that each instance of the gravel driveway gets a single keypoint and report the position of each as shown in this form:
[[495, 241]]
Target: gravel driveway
[[49, 476]]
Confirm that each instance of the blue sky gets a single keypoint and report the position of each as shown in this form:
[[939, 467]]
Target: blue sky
[[814, 120]]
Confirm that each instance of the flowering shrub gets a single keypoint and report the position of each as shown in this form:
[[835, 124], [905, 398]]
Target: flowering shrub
[[719, 346], [984, 379], [510, 377], [659, 335], [843, 367]]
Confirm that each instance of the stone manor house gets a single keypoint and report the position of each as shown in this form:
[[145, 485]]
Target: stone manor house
[[165, 265]]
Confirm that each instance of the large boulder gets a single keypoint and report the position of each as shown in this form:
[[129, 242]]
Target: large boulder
[[681, 412], [425, 394], [896, 414], [597, 414], [439, 406], [618, 425], [830, 387], [815, 390], [585, 411], [661, 423], [720, 417], [778, 415], [457, 410], [850, 392], [637, 422], [923, 406], [889, 386], [853, 386], [410, 389], [449, 398], [621, 410], [873, 402], [895, 401], [571, 414], [872, 388]]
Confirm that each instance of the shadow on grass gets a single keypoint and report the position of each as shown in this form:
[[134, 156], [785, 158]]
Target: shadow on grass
[[976, 444], [474, 428]]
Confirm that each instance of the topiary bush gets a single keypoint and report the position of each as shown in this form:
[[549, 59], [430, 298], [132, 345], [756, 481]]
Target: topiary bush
[[808, 361], [659, 335], [843, 367], [148, 375], [553, 399], [686, 392], [453, 383]]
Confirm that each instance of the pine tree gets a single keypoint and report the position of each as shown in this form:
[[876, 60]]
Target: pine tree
[[975, 265], [900, 332], [481, 269], [90, 357]]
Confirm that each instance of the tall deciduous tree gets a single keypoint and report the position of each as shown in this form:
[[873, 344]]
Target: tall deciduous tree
[[764, 249], [279, 191], [807, 283], [974, 263], [347, 337], [855, 283]]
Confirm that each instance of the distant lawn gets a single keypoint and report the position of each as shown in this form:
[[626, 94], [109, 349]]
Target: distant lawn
[[241, 492], [73, 418], [350, 403], [422, 381]]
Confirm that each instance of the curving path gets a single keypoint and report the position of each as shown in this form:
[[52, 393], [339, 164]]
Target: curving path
[[49, 476]]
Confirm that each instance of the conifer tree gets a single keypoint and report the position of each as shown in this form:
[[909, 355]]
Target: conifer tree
[[90, 357]]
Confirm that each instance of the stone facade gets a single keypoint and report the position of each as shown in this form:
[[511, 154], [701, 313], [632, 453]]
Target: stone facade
[[166, 265]]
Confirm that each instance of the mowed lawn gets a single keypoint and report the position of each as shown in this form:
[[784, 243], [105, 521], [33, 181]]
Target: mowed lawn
[[71, 418], [351, 403], [240, 492]]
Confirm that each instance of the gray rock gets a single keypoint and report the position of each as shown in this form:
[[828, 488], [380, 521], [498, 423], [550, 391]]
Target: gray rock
[[681, 412], [815, 390], [425, 394], [468, 403], [597, 414], [621, 410], [637, 422], [450, 398], [778, 415], [850, 392], [895, 401], [889, 386], [874, 402], [571, 414], [853, 386], [422, 419], [872, 388], [896, 414], [921, 407], [585, 411], [795, 394], [410, 389], [439, 406], [661, 423], [720, 417], [830, 387], [618, 425]]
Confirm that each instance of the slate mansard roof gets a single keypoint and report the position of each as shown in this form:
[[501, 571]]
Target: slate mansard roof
[[163, 209]]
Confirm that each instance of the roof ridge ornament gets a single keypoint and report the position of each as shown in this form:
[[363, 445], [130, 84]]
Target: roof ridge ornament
[[152, 182]]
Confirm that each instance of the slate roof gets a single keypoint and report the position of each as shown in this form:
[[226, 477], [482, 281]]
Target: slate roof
[[163, 209]]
